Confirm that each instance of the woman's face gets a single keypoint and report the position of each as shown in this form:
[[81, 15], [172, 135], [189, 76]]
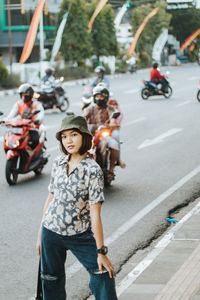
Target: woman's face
[[71, 140]]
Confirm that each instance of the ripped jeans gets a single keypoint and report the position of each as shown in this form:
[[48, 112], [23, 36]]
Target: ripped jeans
[[53, 256]]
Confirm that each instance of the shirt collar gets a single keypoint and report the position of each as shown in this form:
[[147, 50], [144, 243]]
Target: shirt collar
[[65, 159]]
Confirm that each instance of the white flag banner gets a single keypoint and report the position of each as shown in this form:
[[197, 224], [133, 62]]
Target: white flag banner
[[121, 13], [58, 39], [159, 45]]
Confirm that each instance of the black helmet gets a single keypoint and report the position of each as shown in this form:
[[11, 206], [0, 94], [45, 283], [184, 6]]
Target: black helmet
[[155, 65], [49, 71], [26, 88], [99, 69]]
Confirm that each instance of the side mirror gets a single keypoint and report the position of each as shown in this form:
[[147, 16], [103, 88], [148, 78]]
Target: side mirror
[[115, 115], [35, 112], [1, 113]]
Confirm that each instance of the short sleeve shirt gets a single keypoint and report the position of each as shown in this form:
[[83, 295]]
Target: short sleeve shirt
[[98, 115], [69, 213]]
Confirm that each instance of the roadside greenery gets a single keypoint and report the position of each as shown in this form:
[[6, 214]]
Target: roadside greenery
[[77, 43], [184, 22], [8, 80], [151, 31]]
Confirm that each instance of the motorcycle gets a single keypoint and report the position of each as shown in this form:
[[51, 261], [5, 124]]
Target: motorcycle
[[87, 97], [132, 68], [102, 154], [152, 89], [198, 93], [46, 93], [20, 156]]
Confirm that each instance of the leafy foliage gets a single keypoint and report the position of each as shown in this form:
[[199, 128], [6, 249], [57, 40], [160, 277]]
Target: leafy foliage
[[3, 73], [152, 29], [76, 42], [184, 22], [103, 31]]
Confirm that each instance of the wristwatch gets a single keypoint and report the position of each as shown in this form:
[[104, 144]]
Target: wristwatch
[[103, 250]]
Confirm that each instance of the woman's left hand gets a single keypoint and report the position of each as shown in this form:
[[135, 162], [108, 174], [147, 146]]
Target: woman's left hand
[[103, 261]]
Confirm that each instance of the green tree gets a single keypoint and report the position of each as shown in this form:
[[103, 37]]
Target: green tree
[[76, 42], [103, 31], [152, 29], [184, 22], [3, 73]]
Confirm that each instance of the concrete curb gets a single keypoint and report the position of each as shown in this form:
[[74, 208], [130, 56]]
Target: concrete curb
[[84, 81]]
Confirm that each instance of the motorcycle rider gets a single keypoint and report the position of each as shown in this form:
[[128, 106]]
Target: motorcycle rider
[[157, 78], [99, 70], [101, 114], [50, 79], [25, 108]]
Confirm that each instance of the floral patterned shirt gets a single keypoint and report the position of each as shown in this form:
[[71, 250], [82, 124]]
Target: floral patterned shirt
[[69, 213]]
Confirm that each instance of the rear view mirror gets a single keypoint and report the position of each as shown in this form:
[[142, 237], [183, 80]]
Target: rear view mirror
[[116, 114]]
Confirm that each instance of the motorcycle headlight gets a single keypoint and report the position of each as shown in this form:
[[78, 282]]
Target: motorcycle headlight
[[14, 144]]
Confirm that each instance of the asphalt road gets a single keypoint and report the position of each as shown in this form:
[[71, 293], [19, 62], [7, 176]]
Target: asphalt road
[[161, 148]]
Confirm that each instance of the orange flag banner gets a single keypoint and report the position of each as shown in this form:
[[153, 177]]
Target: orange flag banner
[[30, 39], [191, 47], [96, 12], [189, 40], [140, 29]]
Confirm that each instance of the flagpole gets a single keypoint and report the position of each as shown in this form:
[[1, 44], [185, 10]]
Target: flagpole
[[41, 45]]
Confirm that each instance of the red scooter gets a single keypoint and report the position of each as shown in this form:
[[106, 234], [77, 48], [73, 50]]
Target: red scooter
[[21, 158], [102, 153]]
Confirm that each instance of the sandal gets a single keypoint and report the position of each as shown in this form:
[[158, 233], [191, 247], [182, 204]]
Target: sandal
[[110, 175]]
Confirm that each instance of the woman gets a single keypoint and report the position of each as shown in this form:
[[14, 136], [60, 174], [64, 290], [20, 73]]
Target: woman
[[72, 208]]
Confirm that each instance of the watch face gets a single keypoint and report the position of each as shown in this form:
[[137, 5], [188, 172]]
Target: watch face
[[103, 250]]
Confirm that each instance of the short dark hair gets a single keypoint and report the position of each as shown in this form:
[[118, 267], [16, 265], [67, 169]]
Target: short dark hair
[[86, 142]]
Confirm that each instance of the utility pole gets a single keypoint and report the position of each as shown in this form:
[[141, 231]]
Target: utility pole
[[9, 34], [41, 45]]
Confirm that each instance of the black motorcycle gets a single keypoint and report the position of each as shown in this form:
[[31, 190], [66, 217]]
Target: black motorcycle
[[132, 68], [198, 93], [47, 92], [152, 89]]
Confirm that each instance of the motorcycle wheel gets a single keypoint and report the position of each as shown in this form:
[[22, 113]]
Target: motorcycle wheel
[[198, 96], [168, 93], [38, 170], [11, 174], [145, 93], [65, 105]]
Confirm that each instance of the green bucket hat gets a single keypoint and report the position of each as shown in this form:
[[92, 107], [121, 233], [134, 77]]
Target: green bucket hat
[[73, 122]]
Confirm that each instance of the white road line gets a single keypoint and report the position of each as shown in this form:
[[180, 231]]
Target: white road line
[[134, 121], [193, 78], [137, 217], [133, 91], [159, 138], [161, 245], [184, 103]]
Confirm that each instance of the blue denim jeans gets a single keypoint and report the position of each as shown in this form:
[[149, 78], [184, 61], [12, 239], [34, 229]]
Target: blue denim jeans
[[53, 255]]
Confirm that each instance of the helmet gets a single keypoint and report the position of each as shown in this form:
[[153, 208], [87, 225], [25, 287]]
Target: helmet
[[99, 69], [49, 71], [112, 102], [101, 89], [26, 88], [155, 65]]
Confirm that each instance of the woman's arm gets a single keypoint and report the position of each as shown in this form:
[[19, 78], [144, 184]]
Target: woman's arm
[[49, 199], [95, 213]]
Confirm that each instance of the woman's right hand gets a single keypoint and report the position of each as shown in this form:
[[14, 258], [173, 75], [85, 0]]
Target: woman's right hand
[[38, 242], [38, 247]]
